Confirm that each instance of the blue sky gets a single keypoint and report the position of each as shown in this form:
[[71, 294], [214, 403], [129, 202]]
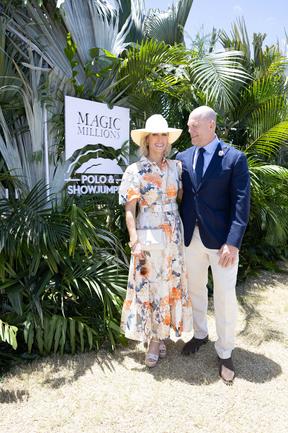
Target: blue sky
[[263, 16]]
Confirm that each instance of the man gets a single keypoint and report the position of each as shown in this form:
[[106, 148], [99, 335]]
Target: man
[[214, 210]]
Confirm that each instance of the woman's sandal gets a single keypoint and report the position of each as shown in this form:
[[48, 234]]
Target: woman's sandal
[[151, 359], [162, 349]]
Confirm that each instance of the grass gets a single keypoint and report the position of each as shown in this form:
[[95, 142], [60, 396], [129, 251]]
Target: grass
[[103, 392]]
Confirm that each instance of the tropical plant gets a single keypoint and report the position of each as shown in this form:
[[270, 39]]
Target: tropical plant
[[172, 72], [62, 267], [8, 334], [63, 278], [175, 80], [258, 124], [168, 26]]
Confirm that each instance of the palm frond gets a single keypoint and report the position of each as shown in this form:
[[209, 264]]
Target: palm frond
[[8, 334], [238, 40], [267, 115], [154, 66], [168, 25], [269, 142], [46, 37], [94, 24], [136, 10], [269, 210], [215, 73]]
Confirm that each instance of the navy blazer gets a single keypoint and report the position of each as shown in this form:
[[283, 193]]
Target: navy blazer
[[221, 203]]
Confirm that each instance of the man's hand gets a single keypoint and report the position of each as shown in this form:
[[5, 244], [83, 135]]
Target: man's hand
[[228, 255]]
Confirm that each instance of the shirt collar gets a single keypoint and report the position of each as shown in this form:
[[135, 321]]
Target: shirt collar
[[212, 146]]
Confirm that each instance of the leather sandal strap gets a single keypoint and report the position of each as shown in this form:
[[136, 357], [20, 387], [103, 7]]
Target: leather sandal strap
[[152, 356], [162, 346], [228, 363], [162, 349]]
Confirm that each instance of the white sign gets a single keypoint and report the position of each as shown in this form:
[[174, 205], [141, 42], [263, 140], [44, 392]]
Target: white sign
[[92, 123]]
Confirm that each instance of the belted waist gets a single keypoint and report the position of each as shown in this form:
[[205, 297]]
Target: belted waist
[[158, 208]]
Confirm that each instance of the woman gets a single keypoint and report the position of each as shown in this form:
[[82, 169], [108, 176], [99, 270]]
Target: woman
[[157, 297]]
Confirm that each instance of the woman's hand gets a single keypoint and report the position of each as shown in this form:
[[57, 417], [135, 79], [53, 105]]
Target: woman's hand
[[136, 250]]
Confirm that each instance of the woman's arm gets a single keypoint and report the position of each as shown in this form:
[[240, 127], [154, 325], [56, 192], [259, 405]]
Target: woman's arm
[[130, 216], [179, 195], [180, 187]]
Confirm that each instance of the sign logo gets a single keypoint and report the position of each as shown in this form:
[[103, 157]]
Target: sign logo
[[91, 130]]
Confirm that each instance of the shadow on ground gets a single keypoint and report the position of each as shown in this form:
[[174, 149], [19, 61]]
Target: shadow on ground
[[67, 369], [13, 396], [260, 325], [202, 367], [261, 305], [56, 371]]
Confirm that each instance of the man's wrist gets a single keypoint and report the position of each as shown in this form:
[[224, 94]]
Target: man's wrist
[[233, 246]]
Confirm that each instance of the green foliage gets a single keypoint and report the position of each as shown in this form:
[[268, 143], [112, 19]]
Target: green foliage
[[70, 52], [59, 334], [258, 124], [63, 271], [150, 69], [64, 278], [100, 66], [175, 80], [8, 334], [168, 25]]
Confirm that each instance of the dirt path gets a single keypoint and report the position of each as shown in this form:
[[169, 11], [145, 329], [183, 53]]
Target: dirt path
[[100, 393]]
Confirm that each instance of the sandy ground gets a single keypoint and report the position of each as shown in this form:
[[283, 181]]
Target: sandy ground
[[102, 392]]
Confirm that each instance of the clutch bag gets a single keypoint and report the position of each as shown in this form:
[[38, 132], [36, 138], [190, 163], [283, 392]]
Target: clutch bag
[[152, 239]]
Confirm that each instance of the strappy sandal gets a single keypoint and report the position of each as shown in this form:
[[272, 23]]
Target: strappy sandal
[[151, 359], [162, 349]]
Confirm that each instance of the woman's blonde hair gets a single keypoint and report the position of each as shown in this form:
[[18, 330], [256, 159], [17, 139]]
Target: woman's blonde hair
[[144, 148]]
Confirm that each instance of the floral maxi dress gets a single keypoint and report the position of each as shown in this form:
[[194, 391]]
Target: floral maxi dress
[[157, 297]]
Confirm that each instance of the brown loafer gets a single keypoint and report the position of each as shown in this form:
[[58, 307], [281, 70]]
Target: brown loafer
[[193, 345], [228, 363]]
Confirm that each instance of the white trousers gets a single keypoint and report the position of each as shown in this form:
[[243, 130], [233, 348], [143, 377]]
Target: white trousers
[[198, 259]]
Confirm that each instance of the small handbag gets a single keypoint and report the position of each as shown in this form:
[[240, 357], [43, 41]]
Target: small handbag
[[152, 239]]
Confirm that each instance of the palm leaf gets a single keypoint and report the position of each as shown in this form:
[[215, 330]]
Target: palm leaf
[[94, 24], [269, 206], [8, 334], [270, 142], [168, 25], [216, 73], [239, 39]]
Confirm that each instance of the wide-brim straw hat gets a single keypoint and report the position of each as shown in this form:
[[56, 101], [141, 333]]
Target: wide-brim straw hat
[[156, 124]]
